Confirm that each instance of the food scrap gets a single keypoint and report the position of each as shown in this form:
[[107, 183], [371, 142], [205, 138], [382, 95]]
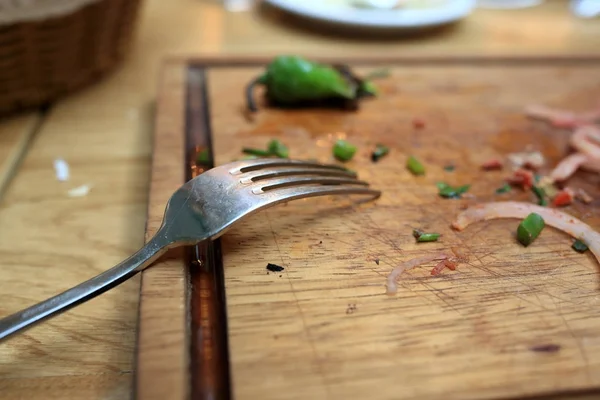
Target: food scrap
[[61, 169], [563, 198], [451, 265], [514, 209], [425, 237], [491, 165], [343, 150], [546, 348], [540, 194], [583, 196], [450, 192], [379, 152], [561, 118], [530, 228], [295, 81], [418, 123], [533, 160], [579, 246], [415, 166], [274, 268], [449, 168], [392, 287], [523, 178], [203, 157], [504, 189], [275, 148]]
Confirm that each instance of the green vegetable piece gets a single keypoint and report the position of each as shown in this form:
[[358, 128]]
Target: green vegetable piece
[[449, 168], [530, 228], [541, 195], [504, 189], [203, 157], [256, 152], [579, 246], [425, 237], [291, 79], [368, 88], [380, 151], [278, 149], [451, 192], [343, 150], [415, 166]]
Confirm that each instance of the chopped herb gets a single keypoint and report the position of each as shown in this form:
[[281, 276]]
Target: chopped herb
[[504, 189], [274, 268], [278, 149], [256, 152], [369, 88], [380, 151], [541, 195], [203, 157], [530, 228], [425, 237], [451, 192], [579, 246], [415, 166], [343, 150], [449, 168]]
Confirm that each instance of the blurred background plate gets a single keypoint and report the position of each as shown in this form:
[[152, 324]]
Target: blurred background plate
[[410, 14]]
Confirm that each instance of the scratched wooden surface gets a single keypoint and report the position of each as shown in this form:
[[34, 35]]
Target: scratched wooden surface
[[324, 328]]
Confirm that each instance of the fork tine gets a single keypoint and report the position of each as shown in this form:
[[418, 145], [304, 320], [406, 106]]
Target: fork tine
[[300, 192], [272, 184], [240, 167], [267, 173]]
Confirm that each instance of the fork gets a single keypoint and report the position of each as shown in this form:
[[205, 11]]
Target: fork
[[204, 208]]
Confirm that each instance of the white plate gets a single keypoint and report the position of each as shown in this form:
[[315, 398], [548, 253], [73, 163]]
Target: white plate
[[415, 14]]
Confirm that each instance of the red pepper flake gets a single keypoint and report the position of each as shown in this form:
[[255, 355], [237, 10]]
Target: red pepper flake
[[418, 123], [443, 264], [563, 198], [491, 165], [523, 178]]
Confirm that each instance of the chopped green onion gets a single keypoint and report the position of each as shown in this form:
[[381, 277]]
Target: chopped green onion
[[425, 237], [203, 157], [256, 152], [541, 195], [504, 189], [278, 149], [449, 168], [249, 157], [415, 166], [380, 151], [451, 192], [579, 246], [343, 150], [530, 228]]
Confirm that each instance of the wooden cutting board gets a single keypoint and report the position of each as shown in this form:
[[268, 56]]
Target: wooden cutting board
[[512, 322]]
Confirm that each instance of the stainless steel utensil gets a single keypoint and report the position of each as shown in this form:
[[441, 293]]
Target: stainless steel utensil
[[202, 209]]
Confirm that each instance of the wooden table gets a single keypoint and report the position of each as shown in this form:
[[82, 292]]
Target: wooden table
[[49, 241]]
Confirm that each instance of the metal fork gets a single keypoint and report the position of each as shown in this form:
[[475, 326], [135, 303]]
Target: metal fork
[[204, 208]]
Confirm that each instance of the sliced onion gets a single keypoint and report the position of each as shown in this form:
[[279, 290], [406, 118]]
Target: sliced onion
[[514, 209], [568, 166], [586, 139], [392, 287]]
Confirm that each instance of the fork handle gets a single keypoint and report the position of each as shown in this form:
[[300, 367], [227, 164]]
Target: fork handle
[[83, 292]]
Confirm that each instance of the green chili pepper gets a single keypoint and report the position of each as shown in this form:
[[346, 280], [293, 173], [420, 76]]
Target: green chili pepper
[[278, 149], [203, 157], [343, 150], [530, 228], [415, 166], [450, 192], [541, 195], [256, 152], [380, 151], [425, 237], [291, 80], [504, 189], [579, 246]]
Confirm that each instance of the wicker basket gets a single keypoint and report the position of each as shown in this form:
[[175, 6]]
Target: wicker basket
[[49, 48]]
